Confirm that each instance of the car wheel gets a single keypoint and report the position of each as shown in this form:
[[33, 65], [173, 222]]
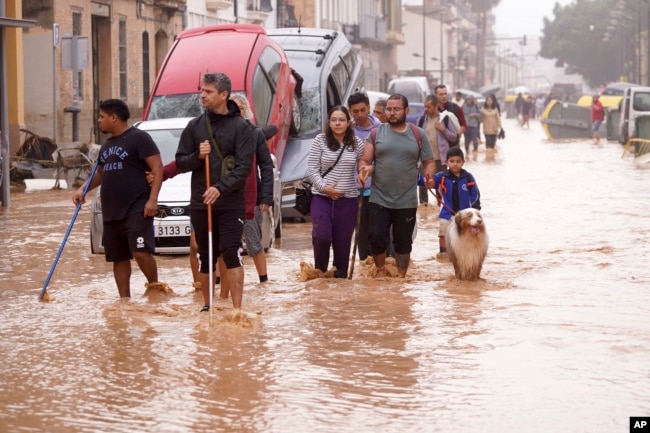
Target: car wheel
[[92, 243], [295, 115]]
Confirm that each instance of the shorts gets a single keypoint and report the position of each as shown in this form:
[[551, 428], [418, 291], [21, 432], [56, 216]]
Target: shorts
[[227, 231], [596, 125], [253, 234], [124, 237], [442, 230]]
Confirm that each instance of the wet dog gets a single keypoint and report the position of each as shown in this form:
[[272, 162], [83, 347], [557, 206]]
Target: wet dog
[[467, 243]]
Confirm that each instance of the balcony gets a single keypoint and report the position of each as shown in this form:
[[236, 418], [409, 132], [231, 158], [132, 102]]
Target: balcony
[[372, 29], [395, 37], [215, 5], [257, 11]]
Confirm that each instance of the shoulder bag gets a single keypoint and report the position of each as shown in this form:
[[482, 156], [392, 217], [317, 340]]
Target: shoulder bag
[[227, 163], [304, 194]]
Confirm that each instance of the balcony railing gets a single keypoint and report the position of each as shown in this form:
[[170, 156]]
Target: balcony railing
[[215, 5]]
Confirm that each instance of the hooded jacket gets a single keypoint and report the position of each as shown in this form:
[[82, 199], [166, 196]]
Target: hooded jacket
[[467, 192], [234, 137]]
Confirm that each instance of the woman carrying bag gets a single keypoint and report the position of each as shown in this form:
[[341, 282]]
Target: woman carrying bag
[[332, 171]]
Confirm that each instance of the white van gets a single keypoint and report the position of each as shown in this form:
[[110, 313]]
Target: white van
[[416, 89], [635, 103]]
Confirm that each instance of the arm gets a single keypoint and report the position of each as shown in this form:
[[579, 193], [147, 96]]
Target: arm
[[265, 164], [155, 165], [79, 197], [187, 154], [365, 162]]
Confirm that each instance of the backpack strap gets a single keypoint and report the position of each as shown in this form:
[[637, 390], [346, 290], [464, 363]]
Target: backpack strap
[[372, 137]]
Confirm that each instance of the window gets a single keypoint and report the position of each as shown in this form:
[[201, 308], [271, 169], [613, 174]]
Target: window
[[265, 82], [76, 31], [122, 53], [145, 67]]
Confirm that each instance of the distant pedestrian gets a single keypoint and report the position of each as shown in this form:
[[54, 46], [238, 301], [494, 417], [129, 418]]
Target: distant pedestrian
[[380, 110], [597, 117], [472, 115], [491, 121]]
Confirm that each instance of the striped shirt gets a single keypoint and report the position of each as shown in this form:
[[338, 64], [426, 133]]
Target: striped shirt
[[344, 173]]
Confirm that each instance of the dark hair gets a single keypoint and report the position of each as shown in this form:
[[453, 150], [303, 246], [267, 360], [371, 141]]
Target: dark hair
[[348, 138], [439, 86], [116, 107], [431, 98], [398, 97], [220, 80], [455, 151], [494, 99], [357, 98]]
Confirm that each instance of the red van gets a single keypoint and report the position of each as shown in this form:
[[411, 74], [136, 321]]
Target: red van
[[255, 63]]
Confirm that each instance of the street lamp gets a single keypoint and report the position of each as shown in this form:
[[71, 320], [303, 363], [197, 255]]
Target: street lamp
[[424, 39]]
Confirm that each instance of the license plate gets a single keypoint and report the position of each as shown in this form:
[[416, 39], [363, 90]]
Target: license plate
[[172, 230]]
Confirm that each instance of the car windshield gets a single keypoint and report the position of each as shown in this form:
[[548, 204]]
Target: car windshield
[[310, 111], [182, 105], [167, 142], [170, 106]]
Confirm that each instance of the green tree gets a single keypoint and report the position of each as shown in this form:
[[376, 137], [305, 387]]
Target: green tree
[[481, 8], [576, 39]]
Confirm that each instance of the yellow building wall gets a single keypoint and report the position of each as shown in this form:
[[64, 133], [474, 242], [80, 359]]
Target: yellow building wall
[[15, 83]]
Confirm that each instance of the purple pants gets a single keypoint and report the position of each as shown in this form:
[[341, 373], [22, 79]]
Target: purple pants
[[333, 224]]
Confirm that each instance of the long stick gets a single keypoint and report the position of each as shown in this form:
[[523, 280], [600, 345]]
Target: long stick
[[67, 233], [356, 234], [207, 186]]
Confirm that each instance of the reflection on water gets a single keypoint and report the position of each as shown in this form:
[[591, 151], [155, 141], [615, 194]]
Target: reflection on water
[[555, 335]]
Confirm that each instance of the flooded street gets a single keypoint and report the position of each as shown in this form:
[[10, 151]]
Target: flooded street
[[555, 338]]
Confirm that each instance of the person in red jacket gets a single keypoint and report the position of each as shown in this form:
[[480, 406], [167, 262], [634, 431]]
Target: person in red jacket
[[597, 117]]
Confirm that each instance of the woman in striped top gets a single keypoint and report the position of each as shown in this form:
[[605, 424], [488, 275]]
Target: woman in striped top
[[331, 168]]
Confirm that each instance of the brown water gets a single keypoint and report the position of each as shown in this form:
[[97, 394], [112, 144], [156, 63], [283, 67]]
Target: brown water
[[556, 338]]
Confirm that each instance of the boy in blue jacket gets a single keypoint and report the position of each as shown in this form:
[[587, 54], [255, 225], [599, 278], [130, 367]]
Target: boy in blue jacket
[[457, 189]]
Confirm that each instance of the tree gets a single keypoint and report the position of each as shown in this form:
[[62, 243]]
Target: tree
[[575, 38], [481, 7]]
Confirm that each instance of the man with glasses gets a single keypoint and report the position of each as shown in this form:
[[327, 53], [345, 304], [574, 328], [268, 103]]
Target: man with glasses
[[391, 156], [380, 110]]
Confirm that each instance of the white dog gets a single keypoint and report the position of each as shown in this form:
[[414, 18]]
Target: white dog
[[467, 243]]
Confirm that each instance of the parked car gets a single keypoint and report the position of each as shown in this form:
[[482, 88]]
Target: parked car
[[172, 224], [331, 70], [416, 110], [479, 98], [416, 89], [374, 96], [635, 103], [257, 66]]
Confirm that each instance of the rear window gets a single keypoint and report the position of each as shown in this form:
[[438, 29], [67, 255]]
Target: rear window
[[641, 101]]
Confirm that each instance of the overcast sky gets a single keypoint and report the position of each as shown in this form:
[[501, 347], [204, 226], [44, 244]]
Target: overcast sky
[[524, 17]]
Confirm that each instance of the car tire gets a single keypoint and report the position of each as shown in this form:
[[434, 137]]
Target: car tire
[[295, 115]]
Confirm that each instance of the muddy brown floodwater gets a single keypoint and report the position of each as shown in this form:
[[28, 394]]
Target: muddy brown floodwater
[[555, 338]]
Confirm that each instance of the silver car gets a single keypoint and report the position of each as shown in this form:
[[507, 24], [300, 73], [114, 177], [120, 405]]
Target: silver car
[[172, 224]]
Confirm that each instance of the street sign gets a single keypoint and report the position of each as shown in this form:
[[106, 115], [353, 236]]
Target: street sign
[[56, 41]]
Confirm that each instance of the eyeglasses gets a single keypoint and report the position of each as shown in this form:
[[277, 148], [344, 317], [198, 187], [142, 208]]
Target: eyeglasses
[[394, 110], [337, 120], [378, 112]]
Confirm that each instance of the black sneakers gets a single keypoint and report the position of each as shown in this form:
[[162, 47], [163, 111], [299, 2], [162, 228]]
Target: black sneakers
[[205, 308]]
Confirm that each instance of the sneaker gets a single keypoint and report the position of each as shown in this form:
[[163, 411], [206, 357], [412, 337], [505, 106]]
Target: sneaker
[[205, 308]]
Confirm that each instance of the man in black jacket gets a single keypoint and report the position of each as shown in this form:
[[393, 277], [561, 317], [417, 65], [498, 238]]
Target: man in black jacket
[[220, 132]]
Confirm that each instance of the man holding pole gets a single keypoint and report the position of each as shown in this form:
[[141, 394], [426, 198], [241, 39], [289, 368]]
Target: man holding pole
[[222, 135]]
